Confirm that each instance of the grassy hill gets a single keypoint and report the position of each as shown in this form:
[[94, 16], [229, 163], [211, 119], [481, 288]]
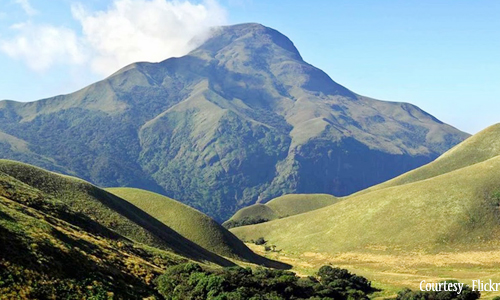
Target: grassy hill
[[190, 223], [439, 221], [49, 250], [293, 204], [106, 210], [459, 192], [455, 210], [478, 148], [280, 207]]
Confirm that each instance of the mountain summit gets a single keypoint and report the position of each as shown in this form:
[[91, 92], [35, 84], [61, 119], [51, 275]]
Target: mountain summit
[[239, 120]]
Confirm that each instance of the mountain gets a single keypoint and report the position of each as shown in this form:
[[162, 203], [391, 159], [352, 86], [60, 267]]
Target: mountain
[[240, 120], [451, 204], [280, 207]]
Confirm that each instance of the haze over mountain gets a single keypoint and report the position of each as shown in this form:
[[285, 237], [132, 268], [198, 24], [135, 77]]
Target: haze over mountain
[[240, 120]]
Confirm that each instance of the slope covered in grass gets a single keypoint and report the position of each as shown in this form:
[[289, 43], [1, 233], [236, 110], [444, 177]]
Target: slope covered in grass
[[280, 207], [453, 211], [107, 210], [190, 223], [478, 148], [294, 204], [50, 251]]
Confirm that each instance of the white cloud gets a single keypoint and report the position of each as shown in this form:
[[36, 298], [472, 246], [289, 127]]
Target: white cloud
[[42, 46], [129, 31], [141, 30], [26, 6]]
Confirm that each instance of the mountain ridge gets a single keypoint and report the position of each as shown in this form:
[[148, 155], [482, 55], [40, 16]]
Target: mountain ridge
[[239, 120]]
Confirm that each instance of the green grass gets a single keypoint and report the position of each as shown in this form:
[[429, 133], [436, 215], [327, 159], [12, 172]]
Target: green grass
[[439, 221], [294, 204], [188, 222], [280, 207], [457, 209], [50, 251], [105, 210], [478, 148], [63, 238]]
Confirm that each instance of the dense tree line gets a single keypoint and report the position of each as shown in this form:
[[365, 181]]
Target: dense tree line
[[243, 222], [191, 281]]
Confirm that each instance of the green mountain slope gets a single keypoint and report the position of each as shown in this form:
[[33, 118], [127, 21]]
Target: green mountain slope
[[455, 211], [49, 250], [105, 210], [280, 207], [191, 224], [478, 148], [240, 120]]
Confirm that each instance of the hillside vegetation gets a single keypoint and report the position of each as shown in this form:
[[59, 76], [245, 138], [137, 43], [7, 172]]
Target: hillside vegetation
[[454, 211], [191, 224], [50, 251], [240, 120], [106, 210], [478, 148], [280, 207]]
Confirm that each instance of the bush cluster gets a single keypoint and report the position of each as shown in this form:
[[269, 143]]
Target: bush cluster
[[244, 221], [191, 281]]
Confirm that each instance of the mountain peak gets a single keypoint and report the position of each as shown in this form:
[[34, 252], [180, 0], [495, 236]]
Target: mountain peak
[[251, 36], [239, 120]]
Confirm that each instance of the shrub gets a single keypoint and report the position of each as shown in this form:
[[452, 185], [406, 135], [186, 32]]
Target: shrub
[[190, 281], [260, 241]]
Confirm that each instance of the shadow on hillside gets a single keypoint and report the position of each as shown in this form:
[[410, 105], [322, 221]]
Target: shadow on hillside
[[168, 238], [266, 262]]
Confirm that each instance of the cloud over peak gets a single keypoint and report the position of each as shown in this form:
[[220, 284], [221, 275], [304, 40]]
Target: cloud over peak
[[128, 31]]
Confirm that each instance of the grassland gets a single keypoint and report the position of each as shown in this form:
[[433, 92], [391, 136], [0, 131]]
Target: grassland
[[190, 223], [280, 207], [107, 210], [440, 221], [50, 251], [457, 209]]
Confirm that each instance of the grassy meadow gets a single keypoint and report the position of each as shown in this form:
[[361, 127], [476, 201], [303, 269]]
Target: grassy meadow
[[441, 221], [191, 224], [279, 207]]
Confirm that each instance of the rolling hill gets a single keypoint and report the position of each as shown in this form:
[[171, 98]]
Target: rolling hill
[[455, 208], [191, 224], [476, 149], [240, 120], [106, 210], [49, 250], [280, 207], [62, 237]]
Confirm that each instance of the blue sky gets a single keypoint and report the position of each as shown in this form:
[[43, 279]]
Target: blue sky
[[443, 56]]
